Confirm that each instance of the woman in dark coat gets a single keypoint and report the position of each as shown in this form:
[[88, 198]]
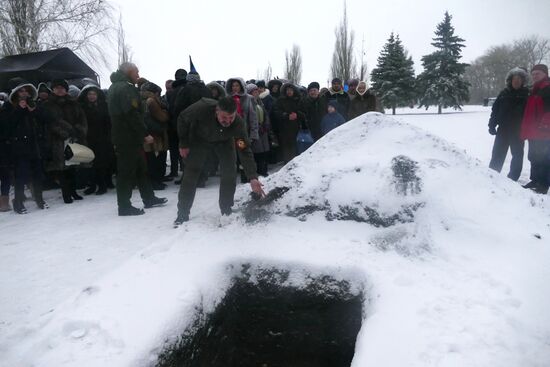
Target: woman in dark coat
[[260, 147], [26, 134], [289, 120], [93, 103], [66, 121], [507, 113]]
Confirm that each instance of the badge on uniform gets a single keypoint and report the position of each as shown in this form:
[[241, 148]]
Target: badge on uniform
[[241, 144], [135, 103]]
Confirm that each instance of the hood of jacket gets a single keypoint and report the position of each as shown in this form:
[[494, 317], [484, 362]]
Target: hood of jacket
[[362, 83], [119, 76], [241, 82], [265, 93], [215, 85], [32, 91], [516, 72], [84, 92], [285, 86]]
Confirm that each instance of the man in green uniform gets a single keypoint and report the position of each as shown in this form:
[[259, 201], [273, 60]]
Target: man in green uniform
[[128, 135], [210, 125]]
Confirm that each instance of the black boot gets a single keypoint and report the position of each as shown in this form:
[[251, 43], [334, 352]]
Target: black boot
[[530, 185], [18, 207], [75, 195], [154, 201], [101, 190], [182, 218], [129, 211], [90, 190]]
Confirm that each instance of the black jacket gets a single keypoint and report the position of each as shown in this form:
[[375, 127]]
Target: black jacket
[[314, 110], [508, 109]]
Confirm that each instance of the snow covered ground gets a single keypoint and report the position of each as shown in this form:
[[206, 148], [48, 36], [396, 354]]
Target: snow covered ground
[[458, 279]]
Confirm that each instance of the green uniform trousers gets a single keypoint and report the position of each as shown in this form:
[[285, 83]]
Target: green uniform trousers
[[132, 171], [198, 154]]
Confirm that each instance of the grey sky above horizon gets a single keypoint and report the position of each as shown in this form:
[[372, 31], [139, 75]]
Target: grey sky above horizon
[[239, 38]]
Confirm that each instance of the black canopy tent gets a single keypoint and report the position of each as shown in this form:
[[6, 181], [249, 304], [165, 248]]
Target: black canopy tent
[[45, 66]]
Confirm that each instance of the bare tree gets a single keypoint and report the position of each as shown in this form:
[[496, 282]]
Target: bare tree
[[343, 61], [124, 50], [268, 73], [293, 65], [363, 70], [84, 26], [532, 50]]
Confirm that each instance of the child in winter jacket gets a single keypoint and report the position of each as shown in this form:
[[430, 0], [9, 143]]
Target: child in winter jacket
[[332, 119]]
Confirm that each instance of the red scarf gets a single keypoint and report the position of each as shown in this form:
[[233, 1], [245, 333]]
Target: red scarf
[[532, 117], [237, 100]]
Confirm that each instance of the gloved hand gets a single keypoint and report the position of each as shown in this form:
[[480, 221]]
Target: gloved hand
[[492, 130]]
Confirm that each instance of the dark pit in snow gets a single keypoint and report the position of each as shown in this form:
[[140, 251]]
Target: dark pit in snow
[[268, 324]]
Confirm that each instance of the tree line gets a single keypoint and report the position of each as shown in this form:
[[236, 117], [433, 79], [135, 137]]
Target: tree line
[[85, 25]]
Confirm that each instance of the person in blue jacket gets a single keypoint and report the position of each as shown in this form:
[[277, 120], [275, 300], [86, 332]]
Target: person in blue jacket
[[332, 119]]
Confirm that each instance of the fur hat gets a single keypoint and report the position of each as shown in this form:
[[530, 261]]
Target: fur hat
[[313, 85], [150, 87], [261, 84], [540, 67], [521, 72], [59, 83]]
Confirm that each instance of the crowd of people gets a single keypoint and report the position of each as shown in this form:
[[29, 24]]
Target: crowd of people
[[144, 138], [226, 128], [520, 114]]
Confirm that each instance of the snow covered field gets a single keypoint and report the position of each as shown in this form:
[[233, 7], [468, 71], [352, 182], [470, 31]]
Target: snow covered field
[[459, 282]]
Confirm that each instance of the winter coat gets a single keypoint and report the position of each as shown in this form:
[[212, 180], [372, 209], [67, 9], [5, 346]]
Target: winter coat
[[314, 110], [6, 159], [177, 86], [508, 109], [364, 103], [536, 119], [264, 128], [215, 85], [248, 108], [27, 134], [66, 121], [124, 102], [157, 120], [198, 125], [191, 93], [99, 127], [331, 121], [341, 98], [288, 129]]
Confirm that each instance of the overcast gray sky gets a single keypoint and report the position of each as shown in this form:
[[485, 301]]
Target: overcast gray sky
[[240, 38]]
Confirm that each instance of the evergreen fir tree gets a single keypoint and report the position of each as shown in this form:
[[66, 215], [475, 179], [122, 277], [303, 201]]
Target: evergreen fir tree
[[393, 79], [442, 82]]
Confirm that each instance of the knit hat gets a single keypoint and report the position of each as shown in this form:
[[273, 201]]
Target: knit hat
[[333, 103], [313, 85], [60, 83], [73, 91], [250, 88], [336, 80], [540, 67], [260, 84], [193, 76], [150, 87]]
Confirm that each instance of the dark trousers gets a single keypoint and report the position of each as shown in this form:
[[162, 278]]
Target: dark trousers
[[156, 165], [194, 164], [28, 171], [175, 159], [67, 181], [5, 181], [132, 171], [503, 141], [539, 156], [261, 163]]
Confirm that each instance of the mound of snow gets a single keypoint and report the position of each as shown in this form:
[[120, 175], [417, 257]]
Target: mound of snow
[[452, 258]]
